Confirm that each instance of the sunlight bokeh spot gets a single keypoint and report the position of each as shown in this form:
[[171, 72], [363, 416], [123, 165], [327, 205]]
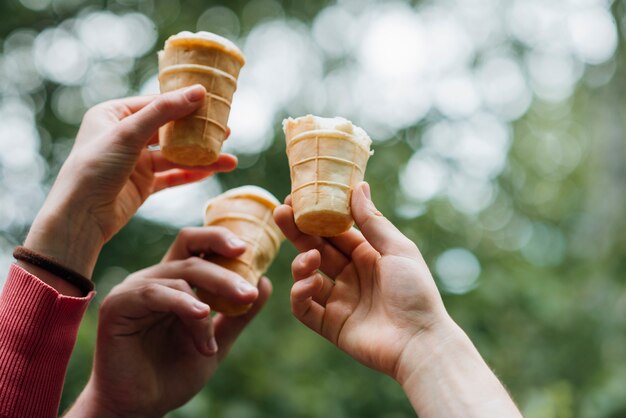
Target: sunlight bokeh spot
[[458, 270]]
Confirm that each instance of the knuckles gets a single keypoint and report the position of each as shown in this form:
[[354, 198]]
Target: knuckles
[[95, 112], [191, 263], [109, 306], [164, 105], [181, 284], [149, 291], [123, 131], [186, 232], [220, 232]]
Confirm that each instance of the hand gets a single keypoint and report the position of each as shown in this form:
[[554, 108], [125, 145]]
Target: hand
[[377, 301], [110, 172], [376, 294], [157, 344]]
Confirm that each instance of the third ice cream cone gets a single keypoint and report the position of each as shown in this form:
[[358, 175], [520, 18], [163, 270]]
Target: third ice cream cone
[[327, 157], [247, 212], [207, 59]]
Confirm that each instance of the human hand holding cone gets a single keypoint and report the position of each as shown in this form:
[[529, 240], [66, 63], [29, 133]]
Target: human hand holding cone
[[327, 158], [247, 212], [207, 59]]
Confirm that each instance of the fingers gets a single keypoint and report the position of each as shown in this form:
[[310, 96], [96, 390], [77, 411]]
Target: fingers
[[169, 296], [309, 312], [138, 128], [225, 162], [305, 264], [332, 260], [228, 328], [204, 240], [348, 241], [124, 107], [379, 232], [208, 276], [178, 177], [310, 292], [304, 268], [119, 109]]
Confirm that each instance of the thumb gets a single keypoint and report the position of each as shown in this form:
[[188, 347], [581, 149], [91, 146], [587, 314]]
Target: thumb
[[138, 128], [378, 230]]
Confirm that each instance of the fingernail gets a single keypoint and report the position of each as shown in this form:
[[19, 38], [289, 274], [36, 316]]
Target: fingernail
[[236, 242], [245, 287], [370, 204], [194, 93], [366, 191], [212, 345], [199, 306], [305, 257], [310, 281]]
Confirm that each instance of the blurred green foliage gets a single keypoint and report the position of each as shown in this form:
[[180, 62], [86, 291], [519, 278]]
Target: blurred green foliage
[[552, 328]]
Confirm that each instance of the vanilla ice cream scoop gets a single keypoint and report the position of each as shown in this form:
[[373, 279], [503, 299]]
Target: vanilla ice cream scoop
[[327, 158], [213, 61]]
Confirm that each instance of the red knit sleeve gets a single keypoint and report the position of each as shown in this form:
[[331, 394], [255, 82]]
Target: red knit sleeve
[[38, 328]]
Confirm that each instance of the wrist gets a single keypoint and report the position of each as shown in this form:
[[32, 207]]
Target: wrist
[[443, 375], [424, 349], [92, 404], [68, 237], [60, 285], [88, 405]]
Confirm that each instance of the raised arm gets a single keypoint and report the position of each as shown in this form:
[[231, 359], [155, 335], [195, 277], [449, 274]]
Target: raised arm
[[157, 343], [377, 301], [107, 176]]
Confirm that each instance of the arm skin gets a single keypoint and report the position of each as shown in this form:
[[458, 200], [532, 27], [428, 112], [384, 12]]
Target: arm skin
[[383, 308], [443, 375], [107, 176]]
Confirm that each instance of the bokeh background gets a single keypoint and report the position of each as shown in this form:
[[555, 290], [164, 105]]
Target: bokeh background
[[499, 140]]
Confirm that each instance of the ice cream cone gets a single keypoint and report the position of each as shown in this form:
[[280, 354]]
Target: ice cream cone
[[327, 157], [207, 59], [247, 212]]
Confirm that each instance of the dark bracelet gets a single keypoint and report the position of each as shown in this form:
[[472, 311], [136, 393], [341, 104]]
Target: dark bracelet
[[51, 265]]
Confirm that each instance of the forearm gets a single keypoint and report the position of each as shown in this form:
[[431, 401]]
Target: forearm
[[443, 375]]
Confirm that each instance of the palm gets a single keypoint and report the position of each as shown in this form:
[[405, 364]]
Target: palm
[[371, 298], [136, 189], [119, 189]]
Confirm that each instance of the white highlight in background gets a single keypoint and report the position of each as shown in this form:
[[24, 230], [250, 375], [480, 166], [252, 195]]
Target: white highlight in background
[[458, 270]]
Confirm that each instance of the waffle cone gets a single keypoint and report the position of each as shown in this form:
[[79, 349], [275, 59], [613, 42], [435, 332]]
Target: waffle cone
[[197, 139], [327, 158], [249, 216]]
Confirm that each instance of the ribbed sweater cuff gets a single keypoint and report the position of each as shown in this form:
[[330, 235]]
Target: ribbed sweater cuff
[[38, 329]]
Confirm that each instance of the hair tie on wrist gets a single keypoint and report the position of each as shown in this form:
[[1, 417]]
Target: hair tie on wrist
[[52, 266]]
